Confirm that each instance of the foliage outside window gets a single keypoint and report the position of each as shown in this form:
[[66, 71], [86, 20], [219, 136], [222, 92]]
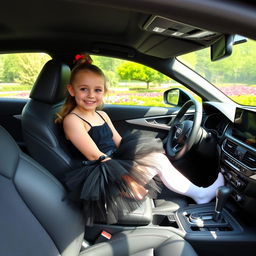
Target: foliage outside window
[[18, 73], [235, 75], [129, 83], [132, 83]]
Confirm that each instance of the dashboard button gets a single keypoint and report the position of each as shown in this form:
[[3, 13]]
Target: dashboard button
[[229, 176], [238, 198], [238, 184]]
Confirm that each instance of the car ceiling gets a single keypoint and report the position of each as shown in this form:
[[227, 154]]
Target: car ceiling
[[120, 28]]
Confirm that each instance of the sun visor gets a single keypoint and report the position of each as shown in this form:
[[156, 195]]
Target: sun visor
[[160, 46]]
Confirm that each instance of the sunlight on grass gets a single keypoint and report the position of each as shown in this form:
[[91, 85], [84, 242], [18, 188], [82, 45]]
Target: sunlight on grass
[[248, 100]]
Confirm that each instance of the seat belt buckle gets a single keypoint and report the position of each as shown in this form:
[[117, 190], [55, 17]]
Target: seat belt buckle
[[103, 237]]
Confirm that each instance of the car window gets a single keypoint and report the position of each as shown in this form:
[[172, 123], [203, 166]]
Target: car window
[[234, 75], [18, 73], [130, 83]]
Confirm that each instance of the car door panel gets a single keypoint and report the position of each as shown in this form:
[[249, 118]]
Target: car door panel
[[154, 121]]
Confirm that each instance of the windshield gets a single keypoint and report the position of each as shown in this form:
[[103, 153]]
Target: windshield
[[235, 75]]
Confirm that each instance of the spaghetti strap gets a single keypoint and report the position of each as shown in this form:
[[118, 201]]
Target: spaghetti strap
[[101, 116], [81, 118]]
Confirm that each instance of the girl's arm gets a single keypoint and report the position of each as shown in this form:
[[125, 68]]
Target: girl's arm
[[116, 136], [76, 132]]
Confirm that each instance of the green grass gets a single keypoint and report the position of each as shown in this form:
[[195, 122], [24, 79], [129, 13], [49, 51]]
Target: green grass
[[14, 87], [248, 100]]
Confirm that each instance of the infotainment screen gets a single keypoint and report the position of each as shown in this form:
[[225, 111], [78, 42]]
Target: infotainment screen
[[245, 126]]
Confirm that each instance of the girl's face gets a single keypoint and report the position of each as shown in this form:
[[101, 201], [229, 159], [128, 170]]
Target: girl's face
[[88, 89]]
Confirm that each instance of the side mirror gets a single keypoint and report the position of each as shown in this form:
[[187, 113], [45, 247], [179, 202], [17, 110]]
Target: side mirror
[[176, 97]]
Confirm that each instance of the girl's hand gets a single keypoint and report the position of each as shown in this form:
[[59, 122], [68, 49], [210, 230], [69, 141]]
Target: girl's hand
[[104, 158]]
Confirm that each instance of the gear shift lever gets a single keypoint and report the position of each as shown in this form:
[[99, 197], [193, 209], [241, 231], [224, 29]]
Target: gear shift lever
[[222, 194]]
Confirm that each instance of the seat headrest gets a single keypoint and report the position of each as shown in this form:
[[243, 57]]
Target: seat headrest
[[50, 86], [9, 154]]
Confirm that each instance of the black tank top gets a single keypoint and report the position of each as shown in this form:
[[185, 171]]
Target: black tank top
[[101, 135]]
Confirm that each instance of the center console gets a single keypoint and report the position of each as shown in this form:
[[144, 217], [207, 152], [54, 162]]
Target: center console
[[204, 218], [212, 228], [238, 159], [230, 222], [209, 217]]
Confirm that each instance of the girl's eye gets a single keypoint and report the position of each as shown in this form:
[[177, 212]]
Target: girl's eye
[[83, 89], [98, 90]]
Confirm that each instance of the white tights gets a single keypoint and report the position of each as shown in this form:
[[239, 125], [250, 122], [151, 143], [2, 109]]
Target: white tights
[[177, 182]]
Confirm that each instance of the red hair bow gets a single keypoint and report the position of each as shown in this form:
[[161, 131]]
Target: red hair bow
[[82, 58]]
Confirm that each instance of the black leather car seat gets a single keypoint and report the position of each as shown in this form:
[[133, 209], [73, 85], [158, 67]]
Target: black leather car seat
[[37, 219], [45, 140]]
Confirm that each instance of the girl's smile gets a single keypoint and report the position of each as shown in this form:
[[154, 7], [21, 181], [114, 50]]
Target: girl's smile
[[88, 90]]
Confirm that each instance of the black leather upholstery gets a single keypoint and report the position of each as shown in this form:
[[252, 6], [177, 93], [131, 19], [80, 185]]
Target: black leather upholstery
[[169, 201], [37, 219], [44, 139], [143, 242]]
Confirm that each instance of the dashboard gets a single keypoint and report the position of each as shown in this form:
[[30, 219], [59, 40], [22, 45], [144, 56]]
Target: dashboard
[[236, 145]]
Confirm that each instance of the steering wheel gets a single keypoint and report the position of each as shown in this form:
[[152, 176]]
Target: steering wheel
[[183, 133]]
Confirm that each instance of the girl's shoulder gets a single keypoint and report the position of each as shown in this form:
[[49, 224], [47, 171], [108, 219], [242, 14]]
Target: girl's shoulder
[[67, 118], [71, 118], [103, 114], [72, 121]]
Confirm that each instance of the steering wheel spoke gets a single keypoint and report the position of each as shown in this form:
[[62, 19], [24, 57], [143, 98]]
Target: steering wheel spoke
[[177, 147], [183, 133], [187, 133]]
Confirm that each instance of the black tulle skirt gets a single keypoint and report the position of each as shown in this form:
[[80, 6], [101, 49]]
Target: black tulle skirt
[[100, 188]]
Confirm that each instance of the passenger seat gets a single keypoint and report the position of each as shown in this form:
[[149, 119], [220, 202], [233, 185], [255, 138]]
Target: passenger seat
[[37, 219]]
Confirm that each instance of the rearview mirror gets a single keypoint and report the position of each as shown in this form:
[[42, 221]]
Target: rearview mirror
[[222, 48]]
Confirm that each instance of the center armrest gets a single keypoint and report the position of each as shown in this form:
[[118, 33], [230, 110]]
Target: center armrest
[[141, 216]]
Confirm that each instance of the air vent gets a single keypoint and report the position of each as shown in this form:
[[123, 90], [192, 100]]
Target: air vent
[[230, 147], [249, 159]]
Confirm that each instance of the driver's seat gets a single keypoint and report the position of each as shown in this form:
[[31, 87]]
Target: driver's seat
[[45, 140]]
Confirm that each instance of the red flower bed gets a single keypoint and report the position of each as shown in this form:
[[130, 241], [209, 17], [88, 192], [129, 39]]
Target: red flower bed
[[238, 90]]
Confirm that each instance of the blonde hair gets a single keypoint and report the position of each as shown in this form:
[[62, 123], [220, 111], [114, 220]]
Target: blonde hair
[[70, 102]]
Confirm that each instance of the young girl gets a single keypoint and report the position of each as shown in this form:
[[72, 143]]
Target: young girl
[[119, 171]]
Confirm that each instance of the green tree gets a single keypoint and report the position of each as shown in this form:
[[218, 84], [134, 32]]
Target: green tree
[[108, 66], [10, 70], [134, 71], [22, 68], [29, 65], [1, 67], [189, 59], [234, 69], [246, 56]]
